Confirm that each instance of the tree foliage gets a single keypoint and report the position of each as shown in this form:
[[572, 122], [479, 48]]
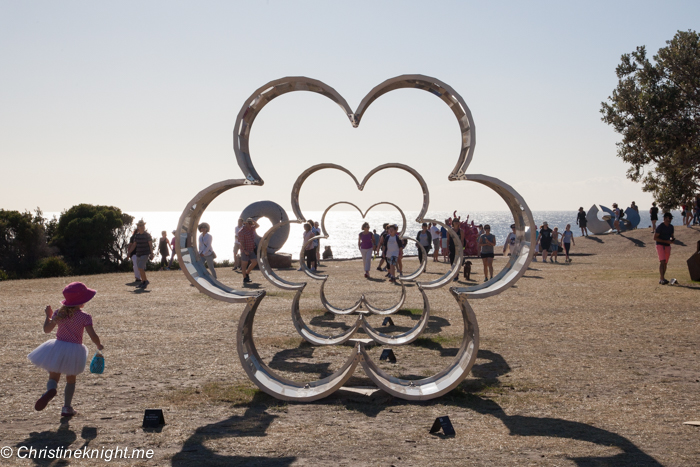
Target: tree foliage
[[86, 231], [656, 109], [22, 242]]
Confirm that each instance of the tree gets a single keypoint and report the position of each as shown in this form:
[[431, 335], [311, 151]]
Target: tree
[[656, 109], [22, 242], [86, 231]]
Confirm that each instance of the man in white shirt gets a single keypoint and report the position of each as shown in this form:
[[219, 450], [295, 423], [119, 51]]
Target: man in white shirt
[[510, 241], [435, 234]]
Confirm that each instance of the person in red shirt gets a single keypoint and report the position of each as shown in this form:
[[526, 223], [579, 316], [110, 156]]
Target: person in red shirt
[[249, 253]]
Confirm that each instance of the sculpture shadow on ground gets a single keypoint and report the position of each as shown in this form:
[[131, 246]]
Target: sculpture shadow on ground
[[595, 239], [253, 423]]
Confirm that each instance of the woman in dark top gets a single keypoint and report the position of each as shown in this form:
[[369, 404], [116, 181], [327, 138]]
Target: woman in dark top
[[654, 213], [545, 240], [582, 221], [451, 244], [163, 249]]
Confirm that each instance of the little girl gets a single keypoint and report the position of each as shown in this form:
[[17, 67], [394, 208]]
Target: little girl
[[65, 354]]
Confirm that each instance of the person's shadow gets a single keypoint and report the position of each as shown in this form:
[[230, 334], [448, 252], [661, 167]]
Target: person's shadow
[[62, 438]]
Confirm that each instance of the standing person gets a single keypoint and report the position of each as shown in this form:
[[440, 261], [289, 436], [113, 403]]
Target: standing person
[[66, 354], [131, 253], [451, 244], [309, 252], [567, 238], [510, 241], [376, 241], [394, 245], [173, 244], [554, 247], [487, 241], [663, 235], [317, 231], [424, 238], [545, 240], [163, 245], [435, 234], [635, 207], [249, 252], [582, 221], [382, 246], [143, 249], [365, 242], [696, 216], [684, 212], [616, 221], [444, 242], [537, 244], [654, 213], [314, 244], [205, 249], [237, 246]]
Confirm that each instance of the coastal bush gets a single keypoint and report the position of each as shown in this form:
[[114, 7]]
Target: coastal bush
[[22, 242], [92, 265], [85, 232], [53, 266], [4, 276]]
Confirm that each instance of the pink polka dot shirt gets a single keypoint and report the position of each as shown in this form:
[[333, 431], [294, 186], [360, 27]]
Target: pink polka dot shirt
[[71, 329]]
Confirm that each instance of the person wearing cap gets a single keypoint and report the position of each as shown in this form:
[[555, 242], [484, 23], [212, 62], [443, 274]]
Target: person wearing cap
[[249, 253], [172, 248], [664, 239], [163, 245], [143, 249], [582, 222], [65, 354], [510, 241], [205, 248], [545, 240]]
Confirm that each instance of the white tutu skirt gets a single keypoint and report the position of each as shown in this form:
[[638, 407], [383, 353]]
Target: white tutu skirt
[[60, 357]]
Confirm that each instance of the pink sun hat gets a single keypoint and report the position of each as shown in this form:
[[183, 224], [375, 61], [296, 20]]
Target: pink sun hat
[[77, 293]]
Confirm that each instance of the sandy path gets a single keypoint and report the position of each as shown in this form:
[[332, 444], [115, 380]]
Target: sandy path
[[591, 363]]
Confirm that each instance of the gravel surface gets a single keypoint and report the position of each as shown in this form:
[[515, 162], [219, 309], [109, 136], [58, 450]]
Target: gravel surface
[[587, 363]]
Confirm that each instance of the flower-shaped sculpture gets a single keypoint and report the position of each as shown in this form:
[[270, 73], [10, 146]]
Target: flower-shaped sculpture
[[426, 388]]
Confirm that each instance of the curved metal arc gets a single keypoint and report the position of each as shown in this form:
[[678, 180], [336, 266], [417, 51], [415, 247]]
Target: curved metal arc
[[191, 263], [269, 273], [314, 337], [524, 251], [296, 188], [449, 276], [412, 171], [259, 99], [408, 336], [363, 214], [275, 385], [388, 311], [595, 225], [338, 311], [443, 91], [302, 263], [442, 382], [421, 267]]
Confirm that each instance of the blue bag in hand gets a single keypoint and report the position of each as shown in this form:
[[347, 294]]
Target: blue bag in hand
[[97, 365]]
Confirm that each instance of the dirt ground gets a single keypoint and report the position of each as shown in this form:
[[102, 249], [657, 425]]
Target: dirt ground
[[587, 363]]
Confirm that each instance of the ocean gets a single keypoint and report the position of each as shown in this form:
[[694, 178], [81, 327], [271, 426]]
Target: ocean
[[344, 226]]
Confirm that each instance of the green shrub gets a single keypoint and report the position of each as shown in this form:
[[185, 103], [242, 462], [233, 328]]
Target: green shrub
[[92, 265], [53, 266], [4, 276]]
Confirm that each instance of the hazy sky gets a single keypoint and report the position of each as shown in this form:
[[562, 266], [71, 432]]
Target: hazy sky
[[132, 104]]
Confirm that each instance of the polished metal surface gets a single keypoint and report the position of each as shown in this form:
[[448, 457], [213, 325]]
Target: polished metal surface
[[275, 214], [264, 377]]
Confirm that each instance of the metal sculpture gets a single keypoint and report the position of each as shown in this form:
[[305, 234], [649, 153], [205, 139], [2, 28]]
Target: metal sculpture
[[427, 388], [597, 226]]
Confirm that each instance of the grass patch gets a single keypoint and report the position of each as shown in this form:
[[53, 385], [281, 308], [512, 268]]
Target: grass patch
[[438, 342], [410, 312]]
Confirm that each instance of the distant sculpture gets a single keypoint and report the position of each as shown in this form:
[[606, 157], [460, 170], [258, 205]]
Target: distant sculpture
[[597, 226]]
